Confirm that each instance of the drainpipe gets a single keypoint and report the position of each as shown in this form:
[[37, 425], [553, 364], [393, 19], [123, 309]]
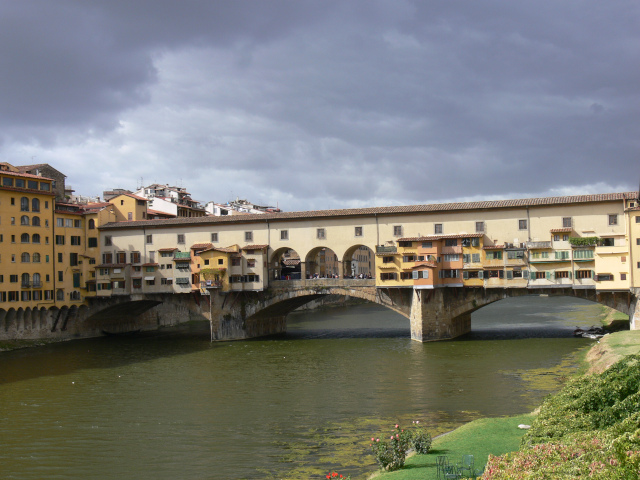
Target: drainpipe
[[377, 230], [631, 261]]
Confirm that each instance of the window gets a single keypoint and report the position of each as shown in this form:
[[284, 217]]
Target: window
[[451, 242], [248, 236], [448, 273], [181, 238], [60, 257], [437, 228], [540, 275], [7, 182], [251, 263], [522, 224], [60, 276], [583, 274], [408, 258], [613, 219], [135, 257], [92, 224], [358, 231], [451, 257], [24, 238], [77, 224], [59, 222], [149, 239], [235, 262], [73, 259], [427, 244], [567, 222], [320, 233], [494, 255], [35, 221], [604, 277], [24, 204], [565, 238], [59, 239], [623, 276], [107, 258], [25, 258], [387, 259], [35, 205], [580, 254], [24, 220], [107, 241], [121, 257], [92, 242], [75, 240], [68, 222], [515, 254], [221, 261], [284, 234], [13, 220], [388, 276], [32, 184], [561, 274], [35, 258], [475, 258], [562, 255], [13, 278], [397, 230], [556, 238], [479, 227], [130, 216], [214, 237]]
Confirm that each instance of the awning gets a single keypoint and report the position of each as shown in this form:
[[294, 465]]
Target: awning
[[149, 278]]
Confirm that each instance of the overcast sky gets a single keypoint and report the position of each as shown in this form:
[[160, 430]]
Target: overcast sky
[[325, 104]]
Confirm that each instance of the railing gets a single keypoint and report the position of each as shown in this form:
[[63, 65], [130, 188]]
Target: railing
[[538, 244], [386, 249], [211, 284], [323, 282]]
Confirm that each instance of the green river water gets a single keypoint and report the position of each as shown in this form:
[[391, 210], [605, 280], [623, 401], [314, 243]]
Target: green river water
[[171, 405]]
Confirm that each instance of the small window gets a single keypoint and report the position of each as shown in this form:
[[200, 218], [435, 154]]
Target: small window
[[107, 241], [214, 237], [60, 222], [248, 236], [149, 239], [613, 219], [320, 233], [92, 224], [24, 220], [437, 228], [92, 242], [397, 230], [565, 237], [284, 234], [567, 222], [35, 221], [221, 261], [479, 227], [35, 205], [68, 223], [24, 204], [358, 231], [522, 224], [623, 276], [181, 238]]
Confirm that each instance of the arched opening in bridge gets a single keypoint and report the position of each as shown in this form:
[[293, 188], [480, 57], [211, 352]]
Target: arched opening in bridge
[[322, 262], [285, 264], [359, 262]]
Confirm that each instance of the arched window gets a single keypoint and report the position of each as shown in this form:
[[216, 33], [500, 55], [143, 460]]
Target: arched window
[[35, 221], [35, 238], [36, 280], [25, 258], [92, 224], [24, 204], [24, 220], [35, 205], [35, 258], [60, 295], [25, 279], [24, 238]]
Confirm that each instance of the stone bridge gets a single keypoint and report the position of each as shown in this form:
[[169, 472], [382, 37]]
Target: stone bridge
[[433, 314]]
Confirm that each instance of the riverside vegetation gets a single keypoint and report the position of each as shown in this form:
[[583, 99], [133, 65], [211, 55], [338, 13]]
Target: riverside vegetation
[[589, 429]]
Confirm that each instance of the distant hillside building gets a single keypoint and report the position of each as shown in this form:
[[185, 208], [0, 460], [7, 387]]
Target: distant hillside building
[[171, 200]]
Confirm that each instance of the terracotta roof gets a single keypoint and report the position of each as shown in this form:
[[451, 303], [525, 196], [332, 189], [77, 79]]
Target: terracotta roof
[[151, 211], [150, 264], [561, 230], [26, 175], [198, 246], [167, 249], [347, 212], [219, 249], [441, 237], [132, 196], [424, 264], [254, 247], [493, 247]]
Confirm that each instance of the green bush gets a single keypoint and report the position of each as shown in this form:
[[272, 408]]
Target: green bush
[[391, 454]]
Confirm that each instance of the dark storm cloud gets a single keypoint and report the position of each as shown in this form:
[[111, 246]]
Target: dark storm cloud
[[316, 103]]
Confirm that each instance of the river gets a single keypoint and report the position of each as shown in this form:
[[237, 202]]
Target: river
[[171, 405]]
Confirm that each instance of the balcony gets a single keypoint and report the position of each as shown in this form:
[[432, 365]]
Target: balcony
[[538, 245], [386, 249]]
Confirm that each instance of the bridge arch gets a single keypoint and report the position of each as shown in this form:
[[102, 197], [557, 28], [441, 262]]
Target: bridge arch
[[358, 260], [322, 262], [285, 263]]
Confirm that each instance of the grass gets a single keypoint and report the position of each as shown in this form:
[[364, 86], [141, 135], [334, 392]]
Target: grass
[[612, 348], [479, 438]]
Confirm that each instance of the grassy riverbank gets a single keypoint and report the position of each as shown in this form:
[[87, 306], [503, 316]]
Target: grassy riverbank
[[561, 444]]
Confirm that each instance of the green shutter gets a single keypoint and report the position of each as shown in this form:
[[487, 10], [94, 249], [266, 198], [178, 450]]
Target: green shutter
[[415, 275], [481, 274], [548, 275], [509, 275], [570, 275], [525, 274], [465, 275]]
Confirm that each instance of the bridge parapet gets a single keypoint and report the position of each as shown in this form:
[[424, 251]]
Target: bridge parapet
[[322, 282]]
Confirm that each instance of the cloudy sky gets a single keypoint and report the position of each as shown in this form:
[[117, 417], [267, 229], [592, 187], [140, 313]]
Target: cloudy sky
[[325, 104]]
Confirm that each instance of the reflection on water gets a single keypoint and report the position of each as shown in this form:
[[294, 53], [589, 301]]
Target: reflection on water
[[173, 405]]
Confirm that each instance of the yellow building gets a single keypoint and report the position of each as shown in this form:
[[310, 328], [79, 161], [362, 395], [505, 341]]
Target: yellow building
[[26, 240], [129, 207]]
